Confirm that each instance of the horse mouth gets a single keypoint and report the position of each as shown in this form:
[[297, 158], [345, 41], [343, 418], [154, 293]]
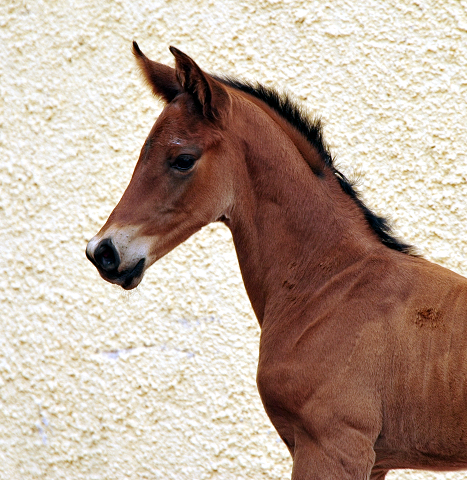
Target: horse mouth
[[127, 279]]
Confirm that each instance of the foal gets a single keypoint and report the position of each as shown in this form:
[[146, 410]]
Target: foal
[[363, 351]]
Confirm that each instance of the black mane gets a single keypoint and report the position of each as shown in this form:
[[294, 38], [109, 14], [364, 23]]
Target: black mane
[[311, 129]]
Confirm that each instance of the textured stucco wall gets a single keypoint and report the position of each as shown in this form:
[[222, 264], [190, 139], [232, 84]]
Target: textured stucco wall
[[96, 383]]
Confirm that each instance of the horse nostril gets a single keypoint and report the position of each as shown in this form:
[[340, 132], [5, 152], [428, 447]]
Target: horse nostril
[[106, 256]]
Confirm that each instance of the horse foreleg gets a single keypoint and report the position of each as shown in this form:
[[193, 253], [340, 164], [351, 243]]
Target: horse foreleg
[[378, 474], [330, 461]]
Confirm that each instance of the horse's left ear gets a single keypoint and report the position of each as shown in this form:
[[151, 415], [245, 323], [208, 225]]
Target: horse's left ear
[[208, 92], [160, 78]]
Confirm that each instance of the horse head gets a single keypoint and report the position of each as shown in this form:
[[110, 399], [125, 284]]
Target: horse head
[[183, 179]]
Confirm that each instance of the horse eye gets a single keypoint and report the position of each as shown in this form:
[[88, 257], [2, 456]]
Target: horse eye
[[183, 162]]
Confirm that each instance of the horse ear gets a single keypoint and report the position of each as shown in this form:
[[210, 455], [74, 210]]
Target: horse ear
[[161, 78], [208, 92]]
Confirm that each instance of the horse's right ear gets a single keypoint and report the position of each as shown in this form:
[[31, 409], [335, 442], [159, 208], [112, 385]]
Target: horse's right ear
[[161, 78], [208, 92]]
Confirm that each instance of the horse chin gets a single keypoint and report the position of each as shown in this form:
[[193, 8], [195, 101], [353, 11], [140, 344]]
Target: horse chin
[[130, 283], [133, 284]]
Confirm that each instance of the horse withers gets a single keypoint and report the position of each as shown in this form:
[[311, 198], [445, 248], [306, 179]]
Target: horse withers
[[363, 351]]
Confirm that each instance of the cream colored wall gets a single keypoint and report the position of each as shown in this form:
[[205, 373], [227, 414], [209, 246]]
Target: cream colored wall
[[96, 383]]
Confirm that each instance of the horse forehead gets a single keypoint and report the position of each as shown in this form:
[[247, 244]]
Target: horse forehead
[[175, 124], [175, 138], [178, 141], [178, 136]]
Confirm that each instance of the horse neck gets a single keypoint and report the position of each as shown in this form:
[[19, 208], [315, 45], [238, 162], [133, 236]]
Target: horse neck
[[292, 228]]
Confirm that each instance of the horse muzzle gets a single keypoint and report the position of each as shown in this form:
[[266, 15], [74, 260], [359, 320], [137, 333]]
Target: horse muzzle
[[105, 257]]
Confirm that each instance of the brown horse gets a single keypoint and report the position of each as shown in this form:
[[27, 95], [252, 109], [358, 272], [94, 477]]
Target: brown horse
[[363, 352]]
